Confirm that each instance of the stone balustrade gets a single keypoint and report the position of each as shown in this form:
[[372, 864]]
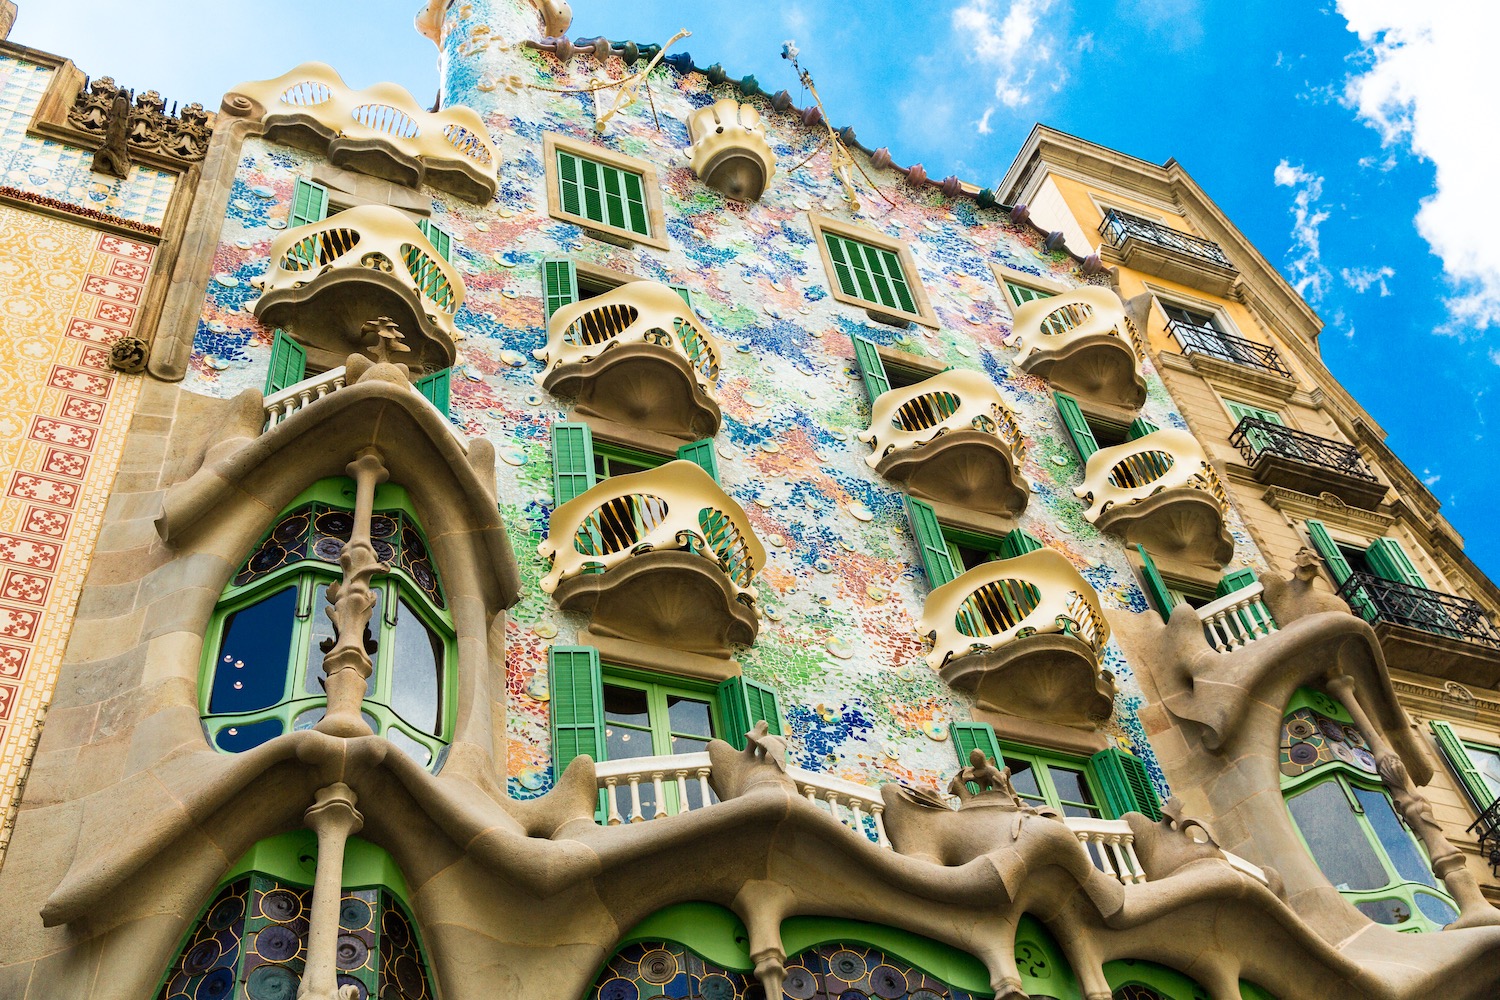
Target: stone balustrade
[[1237, 619], [299, 396], [1110, 844]]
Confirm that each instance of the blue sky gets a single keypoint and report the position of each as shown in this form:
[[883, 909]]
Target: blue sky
[[1350, 140]]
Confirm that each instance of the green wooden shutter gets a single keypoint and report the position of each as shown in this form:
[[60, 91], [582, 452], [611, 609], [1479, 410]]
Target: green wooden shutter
[[559, 283], [1127, 786], [309, 204], [440, 238], [1390, 562], [1018, 543], [930, 544], [1077, 426], [288, 363], [572, 461], [635, 203], [744, 703], [576, 686], [682, 291], [1329, 551], [843, 271], [1021, 294], [1156, 587], [1139, 428], [1237, 580], [437, 388], [569, 183], [867, 358], [1242, 410], [970, 736], [1463, 766], [701, 454]]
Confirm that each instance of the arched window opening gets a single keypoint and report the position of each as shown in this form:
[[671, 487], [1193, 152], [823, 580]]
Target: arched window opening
[[251, 939], [1345, 817], [263, 669], [1133, 979]]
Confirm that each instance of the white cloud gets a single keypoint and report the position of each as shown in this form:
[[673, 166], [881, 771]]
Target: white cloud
[[982, 126], [1362, 279], [1304, 261], [1430, 478], [1010, 39], [1427, 67]]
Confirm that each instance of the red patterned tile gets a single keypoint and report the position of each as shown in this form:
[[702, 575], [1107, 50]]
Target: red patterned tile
[[111, 288], [18, 623], [94, 333], [29, 588], [55, 431], [44, 521], [27, 552], [13, 660], [80, 381], [7, 700], [83, 409], [128, 269], [126, 248], [29, 486], [65, 463], [94, 357], [115, 312]]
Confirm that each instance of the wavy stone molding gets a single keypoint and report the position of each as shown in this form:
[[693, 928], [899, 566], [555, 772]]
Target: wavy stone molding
[[637, 355], [729, 151], [379, 131], [1079, 341], [951, 438]]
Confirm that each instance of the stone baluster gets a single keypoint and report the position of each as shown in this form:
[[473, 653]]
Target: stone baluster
[[334, 819]]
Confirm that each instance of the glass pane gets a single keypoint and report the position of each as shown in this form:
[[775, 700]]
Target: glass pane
[[1070, 785], [322, 629], [1023, 778], [247, 736], [253, 655], [1336, 838], [626, 705], [309, 718], [417, 674], [1385, 911], [1488, 763], [689, 716], [1394, 837], [1435, 909], [688, 744], [409, 746]]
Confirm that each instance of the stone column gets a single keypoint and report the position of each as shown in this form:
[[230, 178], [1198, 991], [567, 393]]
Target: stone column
[[346, 663], [1448, 862], [334, 819]]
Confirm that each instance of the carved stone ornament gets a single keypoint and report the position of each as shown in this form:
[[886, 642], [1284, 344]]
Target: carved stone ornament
[[128, 355], [557, 16], [104, 109]]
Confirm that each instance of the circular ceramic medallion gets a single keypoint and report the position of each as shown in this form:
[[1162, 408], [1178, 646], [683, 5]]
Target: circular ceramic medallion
[[393, 927], [354, 913], [1363, 758], [409, 976], [658, 966], [1301, 728], [351, 952], [277, 943], [201, 957], [216, 985], [846, 965], [226, 912], [841, 649], [1342, 752], [272, 982], [716, 987], [1303, 754], [277, 224], [227, 280], [800, 983], [280, 905], [1331, 729], [889, 983], [860, 512], [619, 989]]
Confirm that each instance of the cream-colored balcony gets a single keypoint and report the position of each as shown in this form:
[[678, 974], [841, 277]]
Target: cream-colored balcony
[[1024, 635], [636, 355], [1080, 343], [663, 557], [950, 438], [328, 279], [729, 151], [1159, 490], [380, 131]]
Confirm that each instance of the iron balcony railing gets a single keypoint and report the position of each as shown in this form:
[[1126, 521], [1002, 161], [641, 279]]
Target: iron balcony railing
[[1227, 347], [1487, 828], [1118, 227], [1256, 439], [1378, 600]]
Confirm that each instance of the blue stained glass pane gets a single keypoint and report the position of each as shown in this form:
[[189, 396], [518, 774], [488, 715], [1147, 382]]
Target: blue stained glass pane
[[247, 735], [1393, 836], [1436, 910], [251, 666]]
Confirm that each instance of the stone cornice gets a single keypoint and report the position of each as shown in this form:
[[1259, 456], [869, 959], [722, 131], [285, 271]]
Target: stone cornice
[[1301, 506]]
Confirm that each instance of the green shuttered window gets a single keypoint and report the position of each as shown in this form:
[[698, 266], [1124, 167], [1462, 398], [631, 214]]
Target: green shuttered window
[[1390, 562], [559, 283], [871, 368], [440, 238], [701, 454], [1126, 783], [572, 461], [744, 703], [1237, 580], [872, 274], [933, 549], [575, 682], [288, 363], [309, 204], [1077, 427], [601, 193], [1156, 587], [437, 388], [1017, 543], [1464, 766], [1021, 294], [1139, 428], [971, 736], [1321, 540]]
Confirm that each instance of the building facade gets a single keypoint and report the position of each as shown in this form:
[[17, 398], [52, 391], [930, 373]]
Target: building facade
[[616, 535]]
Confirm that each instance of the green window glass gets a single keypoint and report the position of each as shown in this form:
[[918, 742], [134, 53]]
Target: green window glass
[[602, 193], [613, 460], [869, 273], [1021, 294], [262, 675], [288, 363], [309, 204], [559, 283], [1063, 783]]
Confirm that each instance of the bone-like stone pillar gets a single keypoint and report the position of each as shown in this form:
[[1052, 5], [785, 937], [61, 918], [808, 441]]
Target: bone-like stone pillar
[[334, 819]]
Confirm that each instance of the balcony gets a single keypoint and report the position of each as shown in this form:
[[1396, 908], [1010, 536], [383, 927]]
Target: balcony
[[636, 355], [663, 557], [327, 279], [1427, 631], [1079, 342], [1147, 245], [951, 439], [1237, 619], [1024, 635], [295, 398], [381, 131], [1160, 491], [1199, 342], [729, 151], [1281, 456]]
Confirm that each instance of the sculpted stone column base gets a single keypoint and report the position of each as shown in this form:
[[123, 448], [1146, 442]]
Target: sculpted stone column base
[[334, 819]]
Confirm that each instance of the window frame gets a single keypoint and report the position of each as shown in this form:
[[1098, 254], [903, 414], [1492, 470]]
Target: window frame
[[823, 226], [657, 686], [553, 143], [1043, 287], [305, 576], [1045, 760]]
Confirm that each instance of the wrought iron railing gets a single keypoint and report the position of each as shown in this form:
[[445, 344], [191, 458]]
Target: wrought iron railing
[[1257, 438], [1118, 227], [1378, 600], [1487, 828], [1195, 339]]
